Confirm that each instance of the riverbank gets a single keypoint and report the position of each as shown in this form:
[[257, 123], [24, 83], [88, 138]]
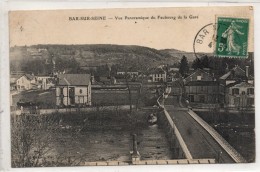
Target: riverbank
[[72, 138], [236, 128]]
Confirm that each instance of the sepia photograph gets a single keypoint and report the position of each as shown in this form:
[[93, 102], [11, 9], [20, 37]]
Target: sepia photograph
[[117, 87]]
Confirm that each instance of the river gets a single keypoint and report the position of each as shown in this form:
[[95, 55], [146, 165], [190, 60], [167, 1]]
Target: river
[[109, 145]]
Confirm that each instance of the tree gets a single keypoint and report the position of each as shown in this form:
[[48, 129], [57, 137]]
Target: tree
[[184, 66], [31, 137], [196, 64], [202, 62], [135, 63], [205, 61]]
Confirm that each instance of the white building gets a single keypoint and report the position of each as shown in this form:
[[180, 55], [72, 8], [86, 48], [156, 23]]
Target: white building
[[157, 75], [73, 90], [45, 82], [25, 82], [240, 95]]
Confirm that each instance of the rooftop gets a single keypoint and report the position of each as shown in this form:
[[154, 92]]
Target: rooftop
[[74, 79], [29, 76], [240, 84], [235, 73], [199, 71], [157, 71]]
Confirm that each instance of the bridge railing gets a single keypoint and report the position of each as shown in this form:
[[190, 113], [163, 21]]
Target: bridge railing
[[223, 143], [175, 129]]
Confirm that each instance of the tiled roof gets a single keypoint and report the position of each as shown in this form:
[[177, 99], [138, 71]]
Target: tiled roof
[[74, 79], [235, 73], [240, 84], [225, 75], [197, 71], [157, 71], [13, 78], [30, 77]]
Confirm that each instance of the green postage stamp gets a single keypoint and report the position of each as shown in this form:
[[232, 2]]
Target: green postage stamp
[[232, 37]]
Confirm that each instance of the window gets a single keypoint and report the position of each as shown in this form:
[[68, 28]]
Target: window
[[250, 91], [191, 98], [61, 90], [202, 98], [198, 78], [235, 91], [250, 101], [80, 91]]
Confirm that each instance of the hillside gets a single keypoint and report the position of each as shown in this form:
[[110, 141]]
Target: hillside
[[94, 54], [176, 54]]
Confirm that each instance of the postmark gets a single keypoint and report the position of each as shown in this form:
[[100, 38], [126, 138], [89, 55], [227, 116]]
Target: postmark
[[204, 40], [232, 37], [225, 38]]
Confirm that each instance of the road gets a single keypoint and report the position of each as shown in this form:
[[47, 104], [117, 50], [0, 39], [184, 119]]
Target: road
[[199, 142]]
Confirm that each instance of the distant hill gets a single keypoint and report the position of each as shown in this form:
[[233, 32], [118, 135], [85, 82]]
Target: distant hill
[[177, 54], [97, 54]]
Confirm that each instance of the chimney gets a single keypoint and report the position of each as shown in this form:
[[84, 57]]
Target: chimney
[[92, 79], [213, 75], [247, 71]]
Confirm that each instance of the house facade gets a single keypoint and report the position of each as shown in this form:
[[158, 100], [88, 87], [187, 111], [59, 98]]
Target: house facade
[[204, 92], [237, 82], [157, 75], [202, 87], [240, 95], [236, 74], [73, 90], [199, 75], [45, 82], [25, 82]]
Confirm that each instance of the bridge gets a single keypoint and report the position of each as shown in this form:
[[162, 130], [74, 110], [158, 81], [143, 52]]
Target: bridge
[[196, 138]]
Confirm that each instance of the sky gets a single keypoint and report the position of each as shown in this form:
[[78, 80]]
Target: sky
[[54, 27]]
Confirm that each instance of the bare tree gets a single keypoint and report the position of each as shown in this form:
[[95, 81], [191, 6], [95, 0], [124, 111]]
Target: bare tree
[[30, 139], [142, 66]]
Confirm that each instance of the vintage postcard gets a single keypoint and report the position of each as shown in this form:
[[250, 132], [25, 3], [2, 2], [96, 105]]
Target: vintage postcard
[[147, 86]]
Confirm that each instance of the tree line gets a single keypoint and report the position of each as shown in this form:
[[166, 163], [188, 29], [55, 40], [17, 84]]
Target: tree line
[[217, 65]]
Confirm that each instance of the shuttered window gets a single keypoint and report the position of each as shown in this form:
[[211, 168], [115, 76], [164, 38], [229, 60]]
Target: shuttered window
[[235, 91]]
